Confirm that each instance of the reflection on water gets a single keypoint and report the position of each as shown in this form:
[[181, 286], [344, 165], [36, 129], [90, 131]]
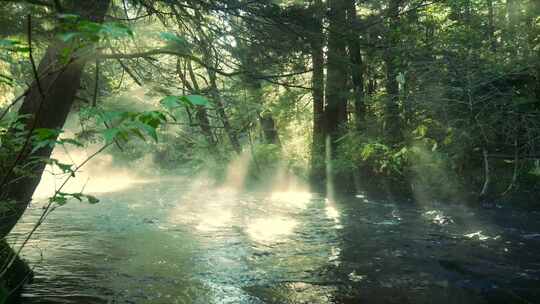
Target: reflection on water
[[295, 199], [480, 236], [268, 230], [214, 220], [332, 213], [174, 241]]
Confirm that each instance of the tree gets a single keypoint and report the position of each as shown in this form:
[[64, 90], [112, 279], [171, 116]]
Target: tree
[[46, 106], [392, 119], [317, 166]]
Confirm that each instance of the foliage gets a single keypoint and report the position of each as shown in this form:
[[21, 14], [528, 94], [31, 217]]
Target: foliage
[[373, 154], [454, 78]]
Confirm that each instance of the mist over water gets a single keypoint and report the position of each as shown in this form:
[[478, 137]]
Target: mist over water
[[157, 238], [99, 175]]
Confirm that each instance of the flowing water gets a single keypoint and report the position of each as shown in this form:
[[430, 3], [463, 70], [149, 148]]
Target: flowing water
[[173, 241]]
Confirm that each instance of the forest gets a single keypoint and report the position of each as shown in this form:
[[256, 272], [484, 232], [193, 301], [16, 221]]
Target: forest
[[269, 151]]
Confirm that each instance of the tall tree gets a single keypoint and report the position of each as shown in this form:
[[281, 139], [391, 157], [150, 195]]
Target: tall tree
[[357, 66], [337, 71], [200, 111], [392, 113], [317, 84], [46, 106], [337, 89]]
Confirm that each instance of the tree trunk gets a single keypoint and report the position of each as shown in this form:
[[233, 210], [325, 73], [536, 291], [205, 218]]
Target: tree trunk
[[534, 29], [512, 12], [220, 107], [201, 114], [491, 26], [266, 119], [512, 28], [337, 91], [357, 67], [484, 193], [46, 107], [392, 125], [268, 126], [317, 175], [337, 72], [269, 133]]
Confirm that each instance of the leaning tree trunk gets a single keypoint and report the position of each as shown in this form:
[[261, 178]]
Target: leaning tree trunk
[[46, 105]]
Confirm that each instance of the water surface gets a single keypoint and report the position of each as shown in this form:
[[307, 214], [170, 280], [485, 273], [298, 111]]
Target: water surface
[[172, 241]]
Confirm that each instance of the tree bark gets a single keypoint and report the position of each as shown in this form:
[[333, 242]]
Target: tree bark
[[268, 126], [337, 72], [337, 92], [317, 175], [491, 26], [357, 66], [392, 125], [266, 120], [200, 112], [484, 193], [512, 28], [534, 29], [46, 106], [220, 107]]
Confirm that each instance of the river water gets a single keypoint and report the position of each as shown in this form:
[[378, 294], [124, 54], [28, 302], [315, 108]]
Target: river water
[[174, 241]]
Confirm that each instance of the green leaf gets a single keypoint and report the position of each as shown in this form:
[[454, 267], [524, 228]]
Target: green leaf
[[8, 43], [115, 30], [112, 116], [149, 130], [64, 167], [77, 196], [110, 134], [67, 36], [58, 199], [89, 27], [45, 133], [71, 141], [13, 45], [170, 37], [195, 100], [6, 80], [69, 17], [92, 199], [171, 102], [65, 54], [138, 133]]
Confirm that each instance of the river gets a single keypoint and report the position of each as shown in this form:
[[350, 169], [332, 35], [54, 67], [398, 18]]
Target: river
[[176, 241]]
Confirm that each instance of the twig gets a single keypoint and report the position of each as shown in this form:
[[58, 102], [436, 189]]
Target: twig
[[30, 54], [130, 73], [96, 84], [14, 102]]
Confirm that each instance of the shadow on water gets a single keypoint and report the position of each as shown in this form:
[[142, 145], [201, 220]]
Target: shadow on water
[[180, 241]]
